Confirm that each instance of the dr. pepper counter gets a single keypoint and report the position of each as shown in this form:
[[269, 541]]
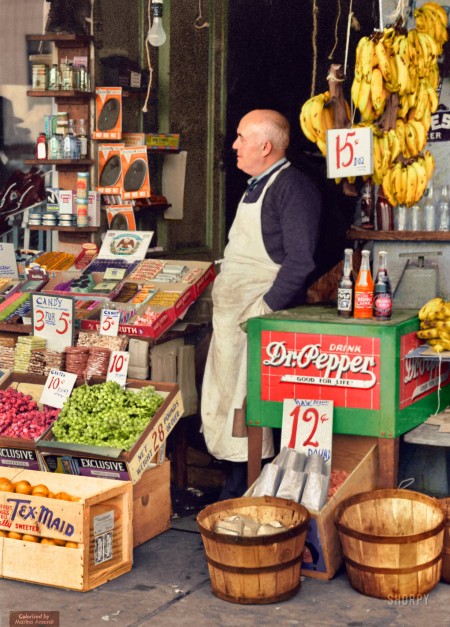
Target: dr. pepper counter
[[360, 365]]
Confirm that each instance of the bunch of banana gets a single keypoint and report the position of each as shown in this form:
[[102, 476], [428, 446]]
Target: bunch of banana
[[316, 118], [434, 319], [432, 19], [386, 149], [405, 183]]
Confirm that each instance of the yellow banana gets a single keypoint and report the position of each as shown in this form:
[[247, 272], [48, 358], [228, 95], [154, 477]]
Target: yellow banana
[[402, 68], [428, 334], [421, 135], [427, 311], [363, 95], [383, 61], [400, 132], [394, 145], [429, 163], [401, 196], [327, 118], [433, 97], [305, 121], [369, 114], [377, 161], [426, 119], [422, 180], [411, 139], [358, 52], [315, 115], [354, 92], [377, 91], [422, 100], [403, 106], [367, 54]]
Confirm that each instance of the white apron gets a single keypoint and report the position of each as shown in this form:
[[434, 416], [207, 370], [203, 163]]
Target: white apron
[[246, 275]]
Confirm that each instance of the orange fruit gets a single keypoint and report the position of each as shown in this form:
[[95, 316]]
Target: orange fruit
[[29, 538], [63, 496], [23, 487], [6, 486], [51, 495], [14, 535], [47, 541], [71, 545], [40, 490], [3, 534], [59, 542]]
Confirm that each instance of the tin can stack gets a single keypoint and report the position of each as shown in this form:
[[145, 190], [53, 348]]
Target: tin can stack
[[82, 198]]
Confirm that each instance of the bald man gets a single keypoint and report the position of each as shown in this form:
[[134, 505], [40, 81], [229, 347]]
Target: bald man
[[267, 261]]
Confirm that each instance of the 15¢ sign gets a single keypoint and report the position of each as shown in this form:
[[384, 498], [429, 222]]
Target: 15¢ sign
[[52, 319], [349, 152]]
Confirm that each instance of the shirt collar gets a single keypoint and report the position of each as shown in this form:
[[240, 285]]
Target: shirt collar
[[275, 166]]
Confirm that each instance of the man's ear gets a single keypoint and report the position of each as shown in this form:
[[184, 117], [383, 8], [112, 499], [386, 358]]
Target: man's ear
[[267, 148]]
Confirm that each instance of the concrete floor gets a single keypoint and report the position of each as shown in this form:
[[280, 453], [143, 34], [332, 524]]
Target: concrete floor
[[169, 585]]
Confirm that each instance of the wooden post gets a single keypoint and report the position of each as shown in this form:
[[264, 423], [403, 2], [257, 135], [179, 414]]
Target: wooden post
[[388, 453]]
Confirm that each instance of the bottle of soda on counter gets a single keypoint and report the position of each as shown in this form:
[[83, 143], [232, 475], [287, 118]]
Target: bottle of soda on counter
[[382, 293], [363, 307], [346, 286]]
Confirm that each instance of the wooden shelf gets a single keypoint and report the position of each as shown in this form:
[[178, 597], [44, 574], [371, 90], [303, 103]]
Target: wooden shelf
[[60, 94], [15, 327], [66, 229], [63, 164], [63, 40], [400, 236]]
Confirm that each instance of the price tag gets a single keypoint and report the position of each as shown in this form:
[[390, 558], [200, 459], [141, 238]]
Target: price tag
[[109, 322], [57, 388], [8, 263], [349, 152], [52, 318], [118, 367], [308, 426]]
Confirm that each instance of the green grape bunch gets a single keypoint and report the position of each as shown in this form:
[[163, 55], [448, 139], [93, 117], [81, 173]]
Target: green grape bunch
[[105, 414]]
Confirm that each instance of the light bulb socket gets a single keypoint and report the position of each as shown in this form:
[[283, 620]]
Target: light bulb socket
[[157, 9]]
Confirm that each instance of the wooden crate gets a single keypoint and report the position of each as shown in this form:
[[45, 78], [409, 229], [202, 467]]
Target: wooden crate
[[357, 455], [151, 504], [100, 523]]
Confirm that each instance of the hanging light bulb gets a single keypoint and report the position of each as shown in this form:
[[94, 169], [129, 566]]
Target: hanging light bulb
[[156, 35]]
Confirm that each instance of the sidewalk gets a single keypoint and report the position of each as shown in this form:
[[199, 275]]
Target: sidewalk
[[169, 586]]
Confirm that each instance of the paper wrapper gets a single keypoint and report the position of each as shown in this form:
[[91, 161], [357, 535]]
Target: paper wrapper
[[315, 491], [268, 481], [291, 486], [314, 463]]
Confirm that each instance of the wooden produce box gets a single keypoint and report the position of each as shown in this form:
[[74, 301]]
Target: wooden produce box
[[99, 523], [151, 504], [113, 463], [358, 455]]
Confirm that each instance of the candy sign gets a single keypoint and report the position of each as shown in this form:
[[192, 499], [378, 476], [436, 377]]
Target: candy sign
[[52, 319], [57, 388]]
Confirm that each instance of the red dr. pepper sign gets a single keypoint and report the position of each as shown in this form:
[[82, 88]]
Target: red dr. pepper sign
[[338, 368]]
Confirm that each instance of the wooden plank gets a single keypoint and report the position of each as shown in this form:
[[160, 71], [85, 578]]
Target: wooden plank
[[151, 504]]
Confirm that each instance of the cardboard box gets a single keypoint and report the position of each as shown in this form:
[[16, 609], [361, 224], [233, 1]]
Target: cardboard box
[[162, 141], [127, 218], [108, 113], [67, 201], [94, 201], [151, 504], [133, 139], [110, 177], [357, 455], [113, 463], [99, 523], [136, 176]]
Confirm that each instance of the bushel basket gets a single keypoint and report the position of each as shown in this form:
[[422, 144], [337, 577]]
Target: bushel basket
[[255, 570], [392, 542]]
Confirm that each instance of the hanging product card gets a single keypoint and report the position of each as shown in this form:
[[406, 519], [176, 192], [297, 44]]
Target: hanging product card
[[8, 263], [52, 319], [118, 367], [349, 152], [109, 322], [308, 426], [57, 388]]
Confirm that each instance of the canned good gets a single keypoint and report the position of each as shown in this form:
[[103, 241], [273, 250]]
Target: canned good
[[82, 185]]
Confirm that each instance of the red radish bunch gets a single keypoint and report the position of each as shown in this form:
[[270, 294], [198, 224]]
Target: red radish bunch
[[20, 416]]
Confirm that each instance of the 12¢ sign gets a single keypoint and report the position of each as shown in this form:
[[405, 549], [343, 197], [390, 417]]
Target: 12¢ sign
[[308, 426], [349, 152], [53, 320]]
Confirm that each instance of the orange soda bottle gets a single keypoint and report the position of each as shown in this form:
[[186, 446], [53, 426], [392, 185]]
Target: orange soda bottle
[[364, 289]]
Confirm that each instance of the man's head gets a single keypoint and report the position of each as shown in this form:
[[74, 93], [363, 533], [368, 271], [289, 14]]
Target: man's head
[[262, 140]]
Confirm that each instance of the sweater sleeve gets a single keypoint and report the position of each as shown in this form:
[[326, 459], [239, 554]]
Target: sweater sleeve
[[290, 218]]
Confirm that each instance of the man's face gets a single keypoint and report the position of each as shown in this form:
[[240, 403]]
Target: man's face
[[249, 147]]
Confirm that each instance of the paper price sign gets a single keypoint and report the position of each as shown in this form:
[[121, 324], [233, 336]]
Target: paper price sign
[[8, 263], [308, 426], [349, 152], [109, 322], [57, 388], [52, 318], [118, 367]]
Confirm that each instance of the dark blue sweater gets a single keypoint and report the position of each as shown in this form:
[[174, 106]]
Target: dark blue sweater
[[290, 220]]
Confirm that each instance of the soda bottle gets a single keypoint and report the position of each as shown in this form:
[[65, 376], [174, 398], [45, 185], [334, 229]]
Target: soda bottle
[[346, 285], [364, 289], [382, 294], [367, 206]]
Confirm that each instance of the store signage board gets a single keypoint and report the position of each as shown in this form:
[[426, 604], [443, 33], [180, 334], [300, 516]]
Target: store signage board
[[349, 152], [8, 263], [57, 388], [308, 426], [109, 322], [53, 319], [118, 367], [129, 245]]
